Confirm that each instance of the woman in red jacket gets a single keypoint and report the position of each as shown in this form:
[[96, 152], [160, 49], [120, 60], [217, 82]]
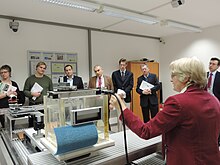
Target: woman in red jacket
[[189, 121]]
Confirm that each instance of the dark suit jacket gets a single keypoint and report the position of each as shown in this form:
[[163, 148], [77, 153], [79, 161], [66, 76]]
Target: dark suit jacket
[[191, 125], [107, 80], [77, 81], [125, 85], [216, 85], [152, 79]]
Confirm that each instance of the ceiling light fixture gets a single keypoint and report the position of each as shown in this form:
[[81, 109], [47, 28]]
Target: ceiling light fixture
[[91, 7], [109, 11], [182, 26], [119, 13]]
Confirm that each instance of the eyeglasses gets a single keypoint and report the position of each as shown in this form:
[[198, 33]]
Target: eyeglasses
[[173, 75], [96, 70]]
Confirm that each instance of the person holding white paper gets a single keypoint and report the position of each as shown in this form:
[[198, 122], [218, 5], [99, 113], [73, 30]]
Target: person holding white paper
[[147, 85], [190, 120], [37, 85], [9, 91]]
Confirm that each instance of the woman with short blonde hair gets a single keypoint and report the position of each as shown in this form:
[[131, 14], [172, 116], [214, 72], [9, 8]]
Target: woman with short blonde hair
[[190, 69], [189, 121]]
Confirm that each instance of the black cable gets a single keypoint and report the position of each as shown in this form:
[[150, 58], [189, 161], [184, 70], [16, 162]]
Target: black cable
[[124, 130], [123, 124]]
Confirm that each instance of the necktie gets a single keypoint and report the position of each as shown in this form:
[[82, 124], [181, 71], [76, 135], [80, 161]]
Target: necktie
[[209, 81], [100, 82], [123, 76]]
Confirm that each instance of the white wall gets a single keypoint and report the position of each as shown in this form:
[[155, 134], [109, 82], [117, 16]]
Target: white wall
[[202, 45], [108, 48], [33, 36]]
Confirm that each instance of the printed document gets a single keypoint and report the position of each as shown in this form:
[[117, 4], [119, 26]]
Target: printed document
[[36, 88], [7, 87], [146, 85]]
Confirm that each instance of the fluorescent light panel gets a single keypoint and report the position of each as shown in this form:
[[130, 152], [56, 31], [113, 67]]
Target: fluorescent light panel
[[110, 11], [129, 15], [74, 4], [183, 26]]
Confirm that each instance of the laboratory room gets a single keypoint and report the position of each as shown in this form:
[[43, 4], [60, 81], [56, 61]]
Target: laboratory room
[[104, 82]]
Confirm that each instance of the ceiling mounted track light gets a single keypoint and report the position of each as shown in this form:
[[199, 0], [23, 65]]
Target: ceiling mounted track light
[[142, 18], [181, 26], [125, 14], [82, 5], [109, 11]]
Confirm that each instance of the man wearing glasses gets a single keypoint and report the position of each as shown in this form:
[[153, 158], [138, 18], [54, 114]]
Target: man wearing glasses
[[100, 81]]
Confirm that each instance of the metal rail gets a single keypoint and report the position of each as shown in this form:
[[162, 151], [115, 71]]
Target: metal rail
[[137, 148]]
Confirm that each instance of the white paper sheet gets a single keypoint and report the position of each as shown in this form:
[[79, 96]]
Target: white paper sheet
[[36, 88], [145, 85], [121, 92], [7, 87]]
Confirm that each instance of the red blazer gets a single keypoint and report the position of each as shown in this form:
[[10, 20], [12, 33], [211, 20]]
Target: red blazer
[[190, 123]]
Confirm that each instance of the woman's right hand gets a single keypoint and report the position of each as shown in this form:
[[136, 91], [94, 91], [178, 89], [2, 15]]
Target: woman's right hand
[[114, 103]]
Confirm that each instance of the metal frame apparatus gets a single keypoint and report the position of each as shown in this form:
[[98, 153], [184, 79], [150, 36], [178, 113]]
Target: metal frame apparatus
[[72, 109], [137, 148], [61, 111]]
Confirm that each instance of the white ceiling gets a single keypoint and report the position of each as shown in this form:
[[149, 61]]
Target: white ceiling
[[201, 13]]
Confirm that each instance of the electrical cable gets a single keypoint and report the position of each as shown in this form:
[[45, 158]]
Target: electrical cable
[[123, 124], [124, 130]]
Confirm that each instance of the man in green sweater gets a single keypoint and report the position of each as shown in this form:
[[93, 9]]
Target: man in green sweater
[[36, 86]]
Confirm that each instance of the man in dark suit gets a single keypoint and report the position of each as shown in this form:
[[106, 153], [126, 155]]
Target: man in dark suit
[[148, 95], [213, 85], [123, 79], [72, 79], [214, 77]]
